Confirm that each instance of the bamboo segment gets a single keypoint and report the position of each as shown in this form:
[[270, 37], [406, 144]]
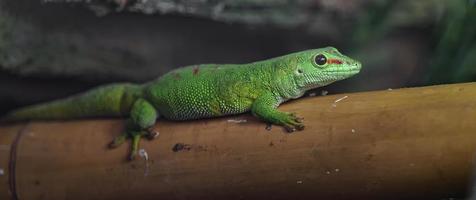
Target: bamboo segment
[[406, 143]]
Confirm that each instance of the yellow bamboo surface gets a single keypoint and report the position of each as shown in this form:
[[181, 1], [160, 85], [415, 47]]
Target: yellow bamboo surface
[[405, 143]]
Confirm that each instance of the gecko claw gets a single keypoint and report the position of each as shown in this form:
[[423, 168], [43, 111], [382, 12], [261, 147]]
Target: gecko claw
[[290, 129], [135, 136], [299, 119], [293, 128], [118, 141], [300, 127], [151, 134], [292, 122], [269, 126]]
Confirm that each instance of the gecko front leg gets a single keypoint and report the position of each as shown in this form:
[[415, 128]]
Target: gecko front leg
[[265, 106], [142, 117]]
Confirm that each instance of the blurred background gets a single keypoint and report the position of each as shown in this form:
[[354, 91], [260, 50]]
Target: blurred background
[[54, 48]]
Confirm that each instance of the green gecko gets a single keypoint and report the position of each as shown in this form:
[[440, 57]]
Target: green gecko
[[203, 91]]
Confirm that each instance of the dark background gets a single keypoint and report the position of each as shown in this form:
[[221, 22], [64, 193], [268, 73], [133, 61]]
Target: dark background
[[52, 49]]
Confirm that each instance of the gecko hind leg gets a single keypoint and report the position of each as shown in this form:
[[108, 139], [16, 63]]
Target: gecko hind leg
[[142, 118]]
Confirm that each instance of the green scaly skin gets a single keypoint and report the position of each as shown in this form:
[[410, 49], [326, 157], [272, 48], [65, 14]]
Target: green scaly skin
[[202, 91]]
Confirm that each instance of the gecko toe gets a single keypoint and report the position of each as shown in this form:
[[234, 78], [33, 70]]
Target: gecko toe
[[151, 134], [289, 129], [269, 126], [117, 141], [300, 127], [299, 119], [294, 127]]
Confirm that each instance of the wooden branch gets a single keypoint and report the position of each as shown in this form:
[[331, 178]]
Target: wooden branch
[[406, 143]]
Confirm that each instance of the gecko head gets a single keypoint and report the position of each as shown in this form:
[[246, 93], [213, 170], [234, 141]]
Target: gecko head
[[320, 67]]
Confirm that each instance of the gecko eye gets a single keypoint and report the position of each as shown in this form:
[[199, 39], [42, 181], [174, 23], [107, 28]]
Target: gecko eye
[[320, 59]]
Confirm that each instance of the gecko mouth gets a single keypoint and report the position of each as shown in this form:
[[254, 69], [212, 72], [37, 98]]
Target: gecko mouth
[[350, 70], [353, 71]]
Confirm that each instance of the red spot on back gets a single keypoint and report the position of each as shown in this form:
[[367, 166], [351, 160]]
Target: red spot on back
[[195, 70], [334, 61]]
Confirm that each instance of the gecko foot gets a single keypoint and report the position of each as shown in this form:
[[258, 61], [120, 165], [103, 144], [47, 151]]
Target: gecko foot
[[135, 136], [118, 140], [293, 123], [291, 129], [134, 146]]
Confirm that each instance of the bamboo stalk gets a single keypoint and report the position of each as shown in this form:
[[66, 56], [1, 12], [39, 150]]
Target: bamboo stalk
[[406, 143]]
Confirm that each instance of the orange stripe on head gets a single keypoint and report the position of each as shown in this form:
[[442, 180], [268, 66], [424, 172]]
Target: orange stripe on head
[[334, 61]]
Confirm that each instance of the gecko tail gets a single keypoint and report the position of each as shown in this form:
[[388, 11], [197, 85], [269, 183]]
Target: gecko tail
[[107, 101]]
